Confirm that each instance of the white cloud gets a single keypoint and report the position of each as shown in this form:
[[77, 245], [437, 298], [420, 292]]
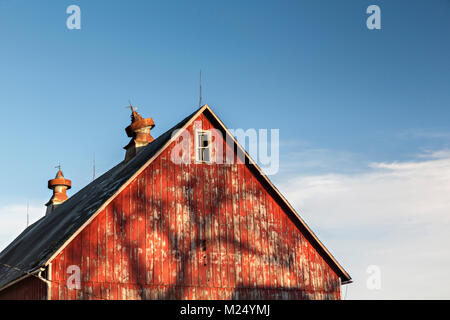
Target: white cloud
[[395, 215], [14, 220]]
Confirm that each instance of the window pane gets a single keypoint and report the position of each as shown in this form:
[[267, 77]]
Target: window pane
[[203, 151], [205, 140], [206, 155]]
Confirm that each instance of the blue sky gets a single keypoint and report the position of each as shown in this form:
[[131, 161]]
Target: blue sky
[[346, 99]]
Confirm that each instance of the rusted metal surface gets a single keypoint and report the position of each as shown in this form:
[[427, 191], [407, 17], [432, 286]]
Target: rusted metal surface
[[139, 132], [59, 185], [194, 231]]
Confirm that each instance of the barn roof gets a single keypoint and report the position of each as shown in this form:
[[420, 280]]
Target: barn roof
[[40, 242]]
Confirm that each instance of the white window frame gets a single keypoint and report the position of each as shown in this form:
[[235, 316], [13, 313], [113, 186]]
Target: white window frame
[[197, 147]]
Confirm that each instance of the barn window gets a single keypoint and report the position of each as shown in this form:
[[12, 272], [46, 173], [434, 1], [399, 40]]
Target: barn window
[[203, 146]]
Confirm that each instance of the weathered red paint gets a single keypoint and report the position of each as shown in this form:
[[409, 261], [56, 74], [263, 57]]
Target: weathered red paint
[[30, 288], [198, 231]]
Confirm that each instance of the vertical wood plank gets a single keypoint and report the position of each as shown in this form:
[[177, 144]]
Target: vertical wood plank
[[101, 246], [110, 258], [172, 230], [194, 211], [251, 229], [208, 226], [278, 247], [231, 245], [149, 224], [202, 236], [117, 222], [305, 267], [60, 275], [132, 218], [236, 224], [165, 220], [264, 240], [85, 236], [222, 220], [125, 237], [292, 252], [157, 222], [179, 235], [215, 216], [187, 222], [272, 237], [194, 214], [284, 252], [299, 266], [93, 250], [244, 211], [77, 245], [258, 240], [141, 229]]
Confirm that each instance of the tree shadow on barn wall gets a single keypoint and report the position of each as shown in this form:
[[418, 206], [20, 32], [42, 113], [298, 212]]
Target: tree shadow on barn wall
[[192, 257]]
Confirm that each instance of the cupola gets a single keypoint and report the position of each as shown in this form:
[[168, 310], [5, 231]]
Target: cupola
[[139, 132], [59, 185]]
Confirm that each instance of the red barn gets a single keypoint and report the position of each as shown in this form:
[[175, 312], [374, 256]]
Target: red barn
[[172, 222]]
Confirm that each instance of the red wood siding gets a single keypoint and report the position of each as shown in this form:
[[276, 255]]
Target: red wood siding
[[30, 288], [194, 231]]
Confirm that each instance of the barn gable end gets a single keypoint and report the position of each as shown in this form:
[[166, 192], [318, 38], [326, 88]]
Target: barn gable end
[[198, 231]]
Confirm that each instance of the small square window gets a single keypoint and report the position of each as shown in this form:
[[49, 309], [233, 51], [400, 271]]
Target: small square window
[[203, 146]]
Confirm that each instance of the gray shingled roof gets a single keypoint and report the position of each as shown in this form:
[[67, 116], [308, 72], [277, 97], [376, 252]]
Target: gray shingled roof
[[37, 243]]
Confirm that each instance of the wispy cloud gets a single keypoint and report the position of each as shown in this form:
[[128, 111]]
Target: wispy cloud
[[298, 159], [423, 134], [394, 215]]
